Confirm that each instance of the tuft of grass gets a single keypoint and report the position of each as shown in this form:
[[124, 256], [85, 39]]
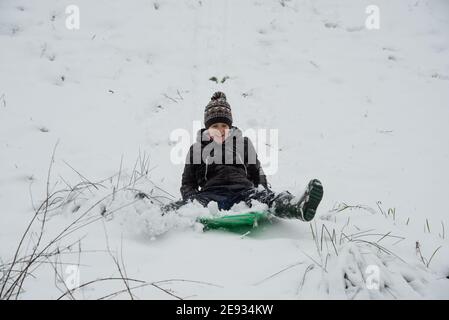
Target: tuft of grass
[[427, 225], [425, 261], [3, 100], [27, 259]]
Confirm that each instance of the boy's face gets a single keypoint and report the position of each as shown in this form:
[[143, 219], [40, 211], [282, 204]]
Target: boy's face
[[219, 132]]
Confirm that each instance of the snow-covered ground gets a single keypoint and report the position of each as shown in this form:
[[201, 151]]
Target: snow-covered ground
[[365, 111]]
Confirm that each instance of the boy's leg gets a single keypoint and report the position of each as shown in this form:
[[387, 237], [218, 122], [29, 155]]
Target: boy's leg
[[284, 205], [305, 208], [173, 206], [224, 197], [203, 197], [278, 202]]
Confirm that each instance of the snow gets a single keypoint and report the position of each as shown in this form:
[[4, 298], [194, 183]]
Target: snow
[[365, 111]]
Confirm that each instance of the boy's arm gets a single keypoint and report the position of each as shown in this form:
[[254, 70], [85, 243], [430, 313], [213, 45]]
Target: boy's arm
[[256, 175], [189, 185], [255, 171], [262, 177]]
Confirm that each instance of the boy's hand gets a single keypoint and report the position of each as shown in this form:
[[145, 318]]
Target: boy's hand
[[217, 135]]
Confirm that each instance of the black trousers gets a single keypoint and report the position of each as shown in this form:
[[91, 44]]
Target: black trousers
[[279, 203]]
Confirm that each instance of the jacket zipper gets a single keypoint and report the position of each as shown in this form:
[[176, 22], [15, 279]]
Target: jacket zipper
[[205, 172], [238, 154]]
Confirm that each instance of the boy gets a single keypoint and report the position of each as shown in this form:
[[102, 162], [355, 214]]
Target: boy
[[222, 166]]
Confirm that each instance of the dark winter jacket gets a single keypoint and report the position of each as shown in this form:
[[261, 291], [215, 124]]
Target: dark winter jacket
[[239, 167]]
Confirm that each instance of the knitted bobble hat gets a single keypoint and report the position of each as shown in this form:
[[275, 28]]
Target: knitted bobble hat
[[218, 110]]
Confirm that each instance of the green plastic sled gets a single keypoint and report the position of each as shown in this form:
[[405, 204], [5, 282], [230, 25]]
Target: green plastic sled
[[237, 222]]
